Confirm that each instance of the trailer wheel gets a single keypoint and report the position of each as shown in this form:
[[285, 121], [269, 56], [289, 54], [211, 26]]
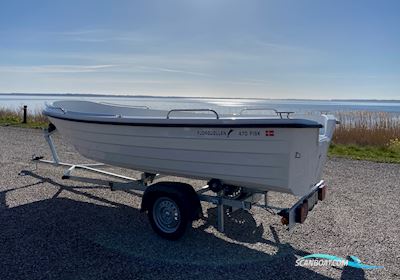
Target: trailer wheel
[[168, 216]]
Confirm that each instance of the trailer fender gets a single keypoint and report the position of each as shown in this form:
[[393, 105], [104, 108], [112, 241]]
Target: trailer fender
[[182, 190]]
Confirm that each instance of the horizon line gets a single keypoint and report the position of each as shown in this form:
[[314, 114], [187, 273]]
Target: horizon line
[[189, 97]]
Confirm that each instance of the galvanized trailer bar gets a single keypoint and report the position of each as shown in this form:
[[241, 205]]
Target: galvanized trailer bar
[[290, 216]]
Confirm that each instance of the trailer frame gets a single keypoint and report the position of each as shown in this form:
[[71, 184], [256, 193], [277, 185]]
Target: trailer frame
[[297, 213]]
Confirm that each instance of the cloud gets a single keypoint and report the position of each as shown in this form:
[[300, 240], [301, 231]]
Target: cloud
[[55, 68], [104, 35], [171, 70]]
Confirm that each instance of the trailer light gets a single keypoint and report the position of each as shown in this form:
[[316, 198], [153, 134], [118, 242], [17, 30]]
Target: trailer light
[[302, 212], [322, 193]]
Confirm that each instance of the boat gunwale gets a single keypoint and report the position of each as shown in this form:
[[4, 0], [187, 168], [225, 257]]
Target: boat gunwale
[[203, 123]]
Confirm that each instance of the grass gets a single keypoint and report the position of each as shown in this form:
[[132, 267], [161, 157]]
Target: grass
[[9, 117], [367, 136], [371, 153], [362, 128], [361, 135]]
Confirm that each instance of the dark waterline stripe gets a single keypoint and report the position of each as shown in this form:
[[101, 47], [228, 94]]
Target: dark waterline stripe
[[216, 125]]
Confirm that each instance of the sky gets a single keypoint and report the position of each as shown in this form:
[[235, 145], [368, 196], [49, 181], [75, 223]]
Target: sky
[[312, 49]]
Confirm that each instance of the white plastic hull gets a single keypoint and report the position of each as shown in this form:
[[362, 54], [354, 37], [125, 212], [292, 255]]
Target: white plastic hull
[[279, 159]]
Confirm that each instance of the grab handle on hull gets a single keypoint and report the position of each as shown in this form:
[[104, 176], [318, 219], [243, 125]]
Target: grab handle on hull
[[284, 112], [279, 113], [193, 110], [258, 109]]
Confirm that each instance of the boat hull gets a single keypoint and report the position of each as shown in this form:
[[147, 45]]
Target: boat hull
[[260, 158]]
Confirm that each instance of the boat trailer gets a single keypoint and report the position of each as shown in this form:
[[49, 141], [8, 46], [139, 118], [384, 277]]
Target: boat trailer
[[172, 206]]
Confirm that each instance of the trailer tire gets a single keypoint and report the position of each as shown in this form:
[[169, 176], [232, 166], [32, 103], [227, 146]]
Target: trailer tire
[[168, 215]]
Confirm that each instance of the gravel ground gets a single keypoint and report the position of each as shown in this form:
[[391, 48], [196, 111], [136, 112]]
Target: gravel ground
[[56, 229]]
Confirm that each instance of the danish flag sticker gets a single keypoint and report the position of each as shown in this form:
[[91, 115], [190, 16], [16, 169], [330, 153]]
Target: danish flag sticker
[[269, 133]]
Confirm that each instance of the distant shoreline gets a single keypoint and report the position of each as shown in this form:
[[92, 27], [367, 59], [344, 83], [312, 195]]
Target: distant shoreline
[[195, 97]]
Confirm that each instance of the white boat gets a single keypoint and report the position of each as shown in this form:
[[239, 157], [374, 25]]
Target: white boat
[[262, 153]]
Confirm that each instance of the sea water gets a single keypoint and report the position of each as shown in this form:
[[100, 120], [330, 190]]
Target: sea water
[[222, 105]]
